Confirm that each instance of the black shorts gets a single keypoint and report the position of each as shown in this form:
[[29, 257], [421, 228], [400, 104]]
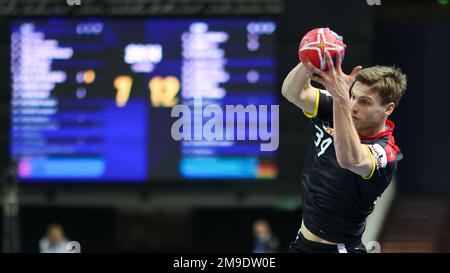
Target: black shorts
[[302, 245]]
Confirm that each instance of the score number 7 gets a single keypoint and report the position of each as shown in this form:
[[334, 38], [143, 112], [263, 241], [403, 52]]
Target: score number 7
[[163, 91]]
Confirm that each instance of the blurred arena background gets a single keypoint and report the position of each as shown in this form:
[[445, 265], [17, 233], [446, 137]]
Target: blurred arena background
[[171, 209]]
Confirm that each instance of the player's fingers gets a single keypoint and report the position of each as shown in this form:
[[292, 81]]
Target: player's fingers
[[338, 63], [314, 69], [355, 71], [330, 64], [318, 79]]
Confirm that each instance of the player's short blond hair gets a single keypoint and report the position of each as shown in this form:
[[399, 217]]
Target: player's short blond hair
[[388, 81]]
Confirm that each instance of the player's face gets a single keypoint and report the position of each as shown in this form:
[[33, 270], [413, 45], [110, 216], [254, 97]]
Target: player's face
[[367, 109]]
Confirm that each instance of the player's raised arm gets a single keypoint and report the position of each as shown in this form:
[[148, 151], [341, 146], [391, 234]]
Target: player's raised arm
[[297, 89]]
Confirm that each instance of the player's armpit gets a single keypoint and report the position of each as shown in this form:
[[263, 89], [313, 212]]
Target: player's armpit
[[367, 164], [298, 90], [310, 102], [307, 100]]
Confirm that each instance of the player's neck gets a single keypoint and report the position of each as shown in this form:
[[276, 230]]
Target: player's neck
[[373, 131]]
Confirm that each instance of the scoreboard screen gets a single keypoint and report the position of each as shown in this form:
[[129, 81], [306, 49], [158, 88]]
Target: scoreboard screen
[[126, 100]]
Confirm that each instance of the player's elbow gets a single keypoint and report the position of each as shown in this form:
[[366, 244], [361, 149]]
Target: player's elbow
[[293, 95], [287, 94], [285, 89]]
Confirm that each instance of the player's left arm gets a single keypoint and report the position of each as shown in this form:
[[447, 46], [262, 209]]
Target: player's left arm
[[351, 154]]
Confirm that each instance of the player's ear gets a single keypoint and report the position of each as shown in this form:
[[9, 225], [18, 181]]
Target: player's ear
[[389, 108]]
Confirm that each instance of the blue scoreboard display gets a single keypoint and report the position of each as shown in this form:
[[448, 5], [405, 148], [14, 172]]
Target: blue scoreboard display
[[96, 99]]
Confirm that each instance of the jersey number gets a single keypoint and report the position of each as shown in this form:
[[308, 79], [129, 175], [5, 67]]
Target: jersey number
[[322, 144]]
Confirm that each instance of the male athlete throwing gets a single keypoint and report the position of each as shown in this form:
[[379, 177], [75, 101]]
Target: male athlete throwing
[[354, 153]]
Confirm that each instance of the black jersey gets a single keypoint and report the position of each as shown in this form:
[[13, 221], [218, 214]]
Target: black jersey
[[336, 201]]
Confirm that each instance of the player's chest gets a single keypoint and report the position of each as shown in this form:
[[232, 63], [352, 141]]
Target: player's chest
[[323, 139]]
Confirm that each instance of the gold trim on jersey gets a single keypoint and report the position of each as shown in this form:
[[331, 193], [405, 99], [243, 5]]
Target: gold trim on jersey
[[374, 165], [316, 106]]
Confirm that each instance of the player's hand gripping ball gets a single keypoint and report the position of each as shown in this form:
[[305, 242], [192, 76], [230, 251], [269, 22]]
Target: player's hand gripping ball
[[316, 42]]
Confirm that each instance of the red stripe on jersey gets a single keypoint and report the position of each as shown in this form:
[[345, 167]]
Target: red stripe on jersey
[[391, 149], [391, 126]]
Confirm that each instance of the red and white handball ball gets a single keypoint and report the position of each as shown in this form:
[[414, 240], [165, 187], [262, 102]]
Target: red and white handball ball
[[316, 42]]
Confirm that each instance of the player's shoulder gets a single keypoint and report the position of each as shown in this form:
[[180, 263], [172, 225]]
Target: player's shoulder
[[383, 145], [386, 149]]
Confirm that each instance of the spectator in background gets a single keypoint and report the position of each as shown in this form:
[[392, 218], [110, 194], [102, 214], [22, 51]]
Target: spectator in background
[[265, 242], [54, 241]]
